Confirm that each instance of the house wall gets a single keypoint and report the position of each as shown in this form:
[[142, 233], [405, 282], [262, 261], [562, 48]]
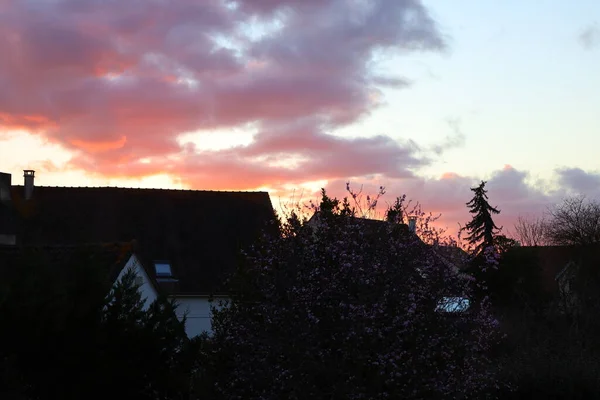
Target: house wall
[[146, 289], [196, 307], [198, 313]]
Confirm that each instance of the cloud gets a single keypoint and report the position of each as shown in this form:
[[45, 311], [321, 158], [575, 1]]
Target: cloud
[[117, 83], [589, 38], [513, 191], [578, 181]]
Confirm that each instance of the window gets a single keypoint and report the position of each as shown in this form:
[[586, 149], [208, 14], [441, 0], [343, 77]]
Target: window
[[139, 281], [453, 304], [163, 269]]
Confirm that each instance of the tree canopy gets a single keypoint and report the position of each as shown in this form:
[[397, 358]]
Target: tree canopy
[[340, 307]]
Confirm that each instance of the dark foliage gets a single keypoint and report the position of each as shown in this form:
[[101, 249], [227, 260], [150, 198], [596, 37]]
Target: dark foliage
[[344, 308], [62, 337], [551, 350]]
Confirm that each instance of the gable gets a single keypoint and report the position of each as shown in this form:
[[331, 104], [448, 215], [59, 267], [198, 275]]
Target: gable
[[146, 286]]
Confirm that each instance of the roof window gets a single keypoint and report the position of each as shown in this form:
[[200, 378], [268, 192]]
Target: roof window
[[163, 269]]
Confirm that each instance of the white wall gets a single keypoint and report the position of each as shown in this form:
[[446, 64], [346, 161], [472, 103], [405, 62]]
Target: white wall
[[196, 307], [146, 289], [198, 313]]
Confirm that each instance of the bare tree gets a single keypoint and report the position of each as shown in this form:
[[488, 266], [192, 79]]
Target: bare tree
[[576, 221], [531, 231]]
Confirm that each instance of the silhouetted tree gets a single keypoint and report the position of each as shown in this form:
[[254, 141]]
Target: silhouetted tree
[[531, 231], [481, 230], [576, 221], [63, 337], [344, 308]]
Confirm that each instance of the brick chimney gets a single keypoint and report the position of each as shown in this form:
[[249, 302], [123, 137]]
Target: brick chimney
[[412, 224], [29, 175]]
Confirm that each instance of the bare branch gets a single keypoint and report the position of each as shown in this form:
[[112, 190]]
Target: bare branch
[[576, 221], [531, 231]]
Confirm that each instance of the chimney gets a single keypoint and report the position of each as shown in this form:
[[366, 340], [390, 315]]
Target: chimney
[[412, 224], [5, 184], [28, 174], [7, 217]]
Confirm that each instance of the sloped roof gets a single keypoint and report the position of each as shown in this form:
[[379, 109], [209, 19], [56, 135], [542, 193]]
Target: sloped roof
[[552, 259], [110, 257], [453, 255], [370, 226], [450, 255], [199, 232]]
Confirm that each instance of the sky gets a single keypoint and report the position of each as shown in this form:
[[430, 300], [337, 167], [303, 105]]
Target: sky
[[425, 98]]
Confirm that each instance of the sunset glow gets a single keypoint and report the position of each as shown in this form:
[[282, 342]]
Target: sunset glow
[[423, 97]]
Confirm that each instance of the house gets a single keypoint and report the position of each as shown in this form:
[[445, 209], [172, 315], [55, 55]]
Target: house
[[451, 256], [551, 271], [188, 241]]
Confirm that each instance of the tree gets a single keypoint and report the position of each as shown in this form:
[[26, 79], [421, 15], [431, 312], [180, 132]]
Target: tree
[[63, 337], [146, 349], [576, 221], [344, 309], [531, 231], [481, 229]]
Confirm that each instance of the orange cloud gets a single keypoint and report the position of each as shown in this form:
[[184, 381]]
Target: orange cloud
[[99, 147], [450, 175], [25, 122]]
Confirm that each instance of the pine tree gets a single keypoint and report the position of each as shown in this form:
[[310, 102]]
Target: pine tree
[[482, 230]]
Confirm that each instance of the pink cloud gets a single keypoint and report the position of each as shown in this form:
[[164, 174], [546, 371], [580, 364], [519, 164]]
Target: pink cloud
[[118, 82], [509, 189]]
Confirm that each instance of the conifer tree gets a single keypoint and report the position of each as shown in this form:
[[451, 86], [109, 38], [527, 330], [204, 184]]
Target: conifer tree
[[482, 231]]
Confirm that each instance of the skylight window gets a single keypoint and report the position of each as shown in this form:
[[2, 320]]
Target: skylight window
[[163, 269], [453, 304]]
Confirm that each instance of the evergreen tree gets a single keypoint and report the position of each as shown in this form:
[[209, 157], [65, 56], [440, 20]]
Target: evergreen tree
[[63, 337], [482, 230]]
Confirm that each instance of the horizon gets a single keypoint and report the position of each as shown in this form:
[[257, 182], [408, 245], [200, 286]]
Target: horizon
[[425, 98]]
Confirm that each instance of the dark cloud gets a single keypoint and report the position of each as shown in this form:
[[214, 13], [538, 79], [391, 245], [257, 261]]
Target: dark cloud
[[576, 180]]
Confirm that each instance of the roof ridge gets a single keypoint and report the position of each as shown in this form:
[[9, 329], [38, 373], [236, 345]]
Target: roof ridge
[[149, 189], [132, 242]]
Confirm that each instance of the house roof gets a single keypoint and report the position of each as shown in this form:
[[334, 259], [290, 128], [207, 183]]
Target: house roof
[[111, 258], [551, 260], [451, 255], [199, 232], [371, 226]]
